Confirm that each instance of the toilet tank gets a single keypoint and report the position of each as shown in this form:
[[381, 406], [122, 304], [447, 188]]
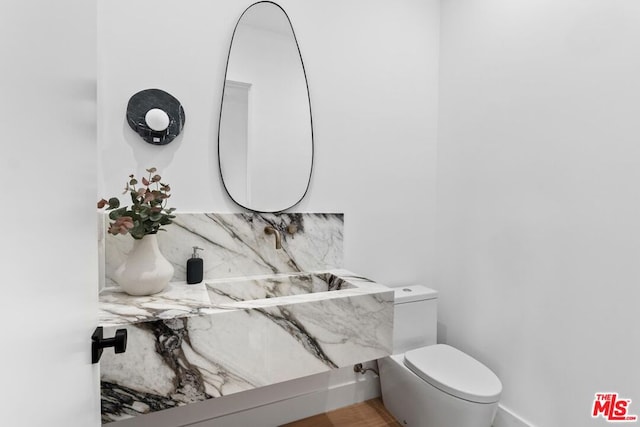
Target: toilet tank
[[415, 318]]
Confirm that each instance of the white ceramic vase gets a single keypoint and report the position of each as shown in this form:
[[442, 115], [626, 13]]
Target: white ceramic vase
[[145, 271]]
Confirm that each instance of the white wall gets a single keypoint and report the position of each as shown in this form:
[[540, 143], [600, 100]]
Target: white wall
[[538, 212], [538, 199], [372, 73], [48, 250]]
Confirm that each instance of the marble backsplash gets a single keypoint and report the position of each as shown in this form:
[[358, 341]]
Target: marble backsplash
[[236, 245]]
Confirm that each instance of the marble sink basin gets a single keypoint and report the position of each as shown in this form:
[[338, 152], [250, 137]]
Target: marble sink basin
[[196, 342], [226, 293]]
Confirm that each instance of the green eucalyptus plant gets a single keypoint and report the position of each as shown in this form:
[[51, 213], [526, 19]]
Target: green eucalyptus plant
[[148, 212]]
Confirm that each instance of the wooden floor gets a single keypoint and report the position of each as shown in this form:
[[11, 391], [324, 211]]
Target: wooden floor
[[366, 414]]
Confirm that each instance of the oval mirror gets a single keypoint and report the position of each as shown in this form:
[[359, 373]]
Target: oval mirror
[[265, 136]]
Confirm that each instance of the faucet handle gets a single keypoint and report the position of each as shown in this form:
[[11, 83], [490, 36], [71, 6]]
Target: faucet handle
[[272, 230]]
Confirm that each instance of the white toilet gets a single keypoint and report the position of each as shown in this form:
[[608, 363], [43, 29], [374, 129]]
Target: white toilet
[[425, 384]]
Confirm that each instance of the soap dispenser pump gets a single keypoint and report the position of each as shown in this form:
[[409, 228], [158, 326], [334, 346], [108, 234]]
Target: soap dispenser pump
[[194, 267]]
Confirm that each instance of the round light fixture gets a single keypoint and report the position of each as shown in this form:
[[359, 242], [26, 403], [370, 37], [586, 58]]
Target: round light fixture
[[157, 119], [156, 116]]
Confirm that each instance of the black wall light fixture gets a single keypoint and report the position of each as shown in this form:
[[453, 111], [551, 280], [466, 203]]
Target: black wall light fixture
[[156, 116]]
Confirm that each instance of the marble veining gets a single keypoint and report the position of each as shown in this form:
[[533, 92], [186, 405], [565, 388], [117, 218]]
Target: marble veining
[[235, 245], [198, 348], [179, 299], [222, 292], [261, 315]]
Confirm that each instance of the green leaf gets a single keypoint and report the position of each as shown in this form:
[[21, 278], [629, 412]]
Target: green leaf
[[137, 232], [115, 214], [134, 197], [114, 203]]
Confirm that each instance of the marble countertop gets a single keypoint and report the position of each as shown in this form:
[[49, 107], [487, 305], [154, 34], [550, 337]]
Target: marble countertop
[[191, 343], [177, 300], [116, 308], [296, 313]]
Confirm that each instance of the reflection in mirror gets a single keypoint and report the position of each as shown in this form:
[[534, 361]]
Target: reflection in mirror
[[265, 137]]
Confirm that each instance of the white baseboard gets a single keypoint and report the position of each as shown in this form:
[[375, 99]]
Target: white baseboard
[[299, 407], [270, 405], [283, 403], [320, 401], [507, 418]]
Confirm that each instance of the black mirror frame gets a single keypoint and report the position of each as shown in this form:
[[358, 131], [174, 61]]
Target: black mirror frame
[[304, 71]]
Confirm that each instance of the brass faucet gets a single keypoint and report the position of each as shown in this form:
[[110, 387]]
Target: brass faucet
[[272, 230]]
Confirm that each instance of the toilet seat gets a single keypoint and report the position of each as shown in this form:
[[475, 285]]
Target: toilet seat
[[454, 372]]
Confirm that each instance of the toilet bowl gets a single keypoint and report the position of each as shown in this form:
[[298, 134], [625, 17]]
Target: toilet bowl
[[425, 384]]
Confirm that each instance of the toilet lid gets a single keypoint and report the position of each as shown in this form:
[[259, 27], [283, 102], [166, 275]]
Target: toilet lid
[[454, 372]]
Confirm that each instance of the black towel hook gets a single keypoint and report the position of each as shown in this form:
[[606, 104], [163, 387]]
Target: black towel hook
[[98, 343]]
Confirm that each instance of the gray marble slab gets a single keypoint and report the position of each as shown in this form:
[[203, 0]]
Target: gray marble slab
[[236, 244], [261, 316], [187, 345], [177, 300]]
